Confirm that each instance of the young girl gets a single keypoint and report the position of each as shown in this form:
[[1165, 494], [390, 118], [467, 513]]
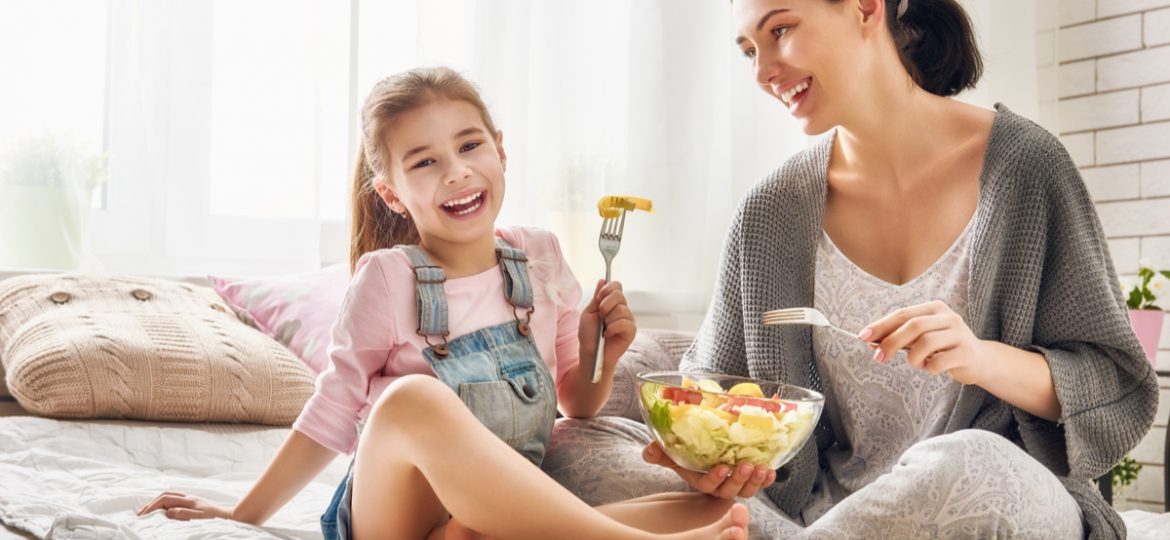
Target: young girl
[[960, 240], [455, 346]]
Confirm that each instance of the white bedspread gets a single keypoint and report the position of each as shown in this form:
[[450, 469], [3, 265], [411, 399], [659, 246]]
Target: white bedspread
[[86, 480]]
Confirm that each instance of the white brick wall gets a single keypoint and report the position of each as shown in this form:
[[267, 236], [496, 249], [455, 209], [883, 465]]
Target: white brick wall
[[1156, 103], [1157, 27], [1131, 70], [1113, 115]]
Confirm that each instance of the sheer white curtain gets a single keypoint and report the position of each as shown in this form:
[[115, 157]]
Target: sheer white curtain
[[220, 129], [227, 129]]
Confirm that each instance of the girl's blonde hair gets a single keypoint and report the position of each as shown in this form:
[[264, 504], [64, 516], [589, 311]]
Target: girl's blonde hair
[[375, 226]]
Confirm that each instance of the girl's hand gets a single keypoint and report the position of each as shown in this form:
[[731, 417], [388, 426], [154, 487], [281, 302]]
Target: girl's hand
[[746, 481], [185, 507], [608, 304], [937, 338]]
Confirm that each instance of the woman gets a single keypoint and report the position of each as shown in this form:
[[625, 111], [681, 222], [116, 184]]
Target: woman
[[995, 372]]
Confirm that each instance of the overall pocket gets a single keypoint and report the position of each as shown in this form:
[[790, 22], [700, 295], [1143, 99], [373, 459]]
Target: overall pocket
[[513, 408]]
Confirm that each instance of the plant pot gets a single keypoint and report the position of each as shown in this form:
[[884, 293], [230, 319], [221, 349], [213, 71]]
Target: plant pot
[[43, 226], [1147, 324]]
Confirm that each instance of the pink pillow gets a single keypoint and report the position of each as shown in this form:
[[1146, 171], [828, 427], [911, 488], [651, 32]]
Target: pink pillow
[[298, 310]]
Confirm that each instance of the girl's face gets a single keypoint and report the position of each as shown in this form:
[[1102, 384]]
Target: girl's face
[[806, 53], [446, 171]]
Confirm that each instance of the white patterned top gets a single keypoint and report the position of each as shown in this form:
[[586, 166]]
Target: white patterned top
[[883, 408]]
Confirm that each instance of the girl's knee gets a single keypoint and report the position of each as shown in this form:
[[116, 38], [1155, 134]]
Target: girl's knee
[[412, 393]]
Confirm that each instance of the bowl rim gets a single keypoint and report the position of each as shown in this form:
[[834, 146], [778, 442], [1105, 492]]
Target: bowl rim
[[646, 377]]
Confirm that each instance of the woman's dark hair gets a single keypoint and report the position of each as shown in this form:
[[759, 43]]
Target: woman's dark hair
[[937, 44]]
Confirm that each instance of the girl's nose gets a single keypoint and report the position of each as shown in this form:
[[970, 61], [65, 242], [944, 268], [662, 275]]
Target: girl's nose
[[458, 172]]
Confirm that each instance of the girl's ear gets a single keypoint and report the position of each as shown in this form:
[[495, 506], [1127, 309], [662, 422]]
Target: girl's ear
[[390, 198], [500, 149]]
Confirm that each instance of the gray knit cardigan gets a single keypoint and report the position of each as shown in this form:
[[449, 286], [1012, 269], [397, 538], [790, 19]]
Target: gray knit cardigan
[[1041, 280]]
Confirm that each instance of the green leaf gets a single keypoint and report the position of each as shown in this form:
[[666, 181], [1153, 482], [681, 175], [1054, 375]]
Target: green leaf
[[1135, 299], [1165, 274], [660, 416], [1149, 296]]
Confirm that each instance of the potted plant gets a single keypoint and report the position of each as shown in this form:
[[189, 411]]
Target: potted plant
[[1144, 314], [1122, 476], [46, 187]]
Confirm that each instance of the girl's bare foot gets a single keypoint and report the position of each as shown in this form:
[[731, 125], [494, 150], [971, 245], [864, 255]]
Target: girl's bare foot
[[453, 530], [732, 526]]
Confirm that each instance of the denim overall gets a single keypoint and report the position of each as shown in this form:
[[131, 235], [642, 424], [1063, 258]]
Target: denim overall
[[497, 371]]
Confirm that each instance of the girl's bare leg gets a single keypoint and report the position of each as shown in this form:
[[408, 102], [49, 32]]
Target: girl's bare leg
[[660, 513], [668, 512], [423, 451]]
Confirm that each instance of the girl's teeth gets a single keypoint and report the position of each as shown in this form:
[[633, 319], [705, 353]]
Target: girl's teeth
[[464, 200]]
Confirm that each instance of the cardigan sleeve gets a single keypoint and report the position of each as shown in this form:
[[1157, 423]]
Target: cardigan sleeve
[[1107, 389]]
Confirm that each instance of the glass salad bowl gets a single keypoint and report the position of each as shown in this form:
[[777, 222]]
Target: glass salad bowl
[[702, 420]]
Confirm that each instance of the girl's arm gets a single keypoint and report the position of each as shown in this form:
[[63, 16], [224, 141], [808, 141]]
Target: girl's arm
[[577, 395], [297, 462]]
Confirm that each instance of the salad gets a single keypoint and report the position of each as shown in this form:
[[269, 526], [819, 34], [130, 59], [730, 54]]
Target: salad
[[700, 425]]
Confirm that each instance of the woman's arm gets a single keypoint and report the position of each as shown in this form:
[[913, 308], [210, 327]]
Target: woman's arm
[[938, 340], [297, 462]]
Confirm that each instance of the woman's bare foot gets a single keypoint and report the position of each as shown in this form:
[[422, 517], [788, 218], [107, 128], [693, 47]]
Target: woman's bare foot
[[732, 526]]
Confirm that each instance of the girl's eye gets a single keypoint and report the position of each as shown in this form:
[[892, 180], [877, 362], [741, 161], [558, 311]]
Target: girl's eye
[[780, 31], [469, 147], [750, 53], [423, 163]]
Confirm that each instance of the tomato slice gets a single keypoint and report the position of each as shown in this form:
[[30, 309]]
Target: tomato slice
[[679, 395]]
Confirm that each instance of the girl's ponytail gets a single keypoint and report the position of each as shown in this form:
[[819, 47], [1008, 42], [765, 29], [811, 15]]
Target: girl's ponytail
[[937, 44], [375, 226]]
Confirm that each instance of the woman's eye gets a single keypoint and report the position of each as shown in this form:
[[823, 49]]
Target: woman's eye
[[780, 31], [750, 53], [469, 147], [423, 163]]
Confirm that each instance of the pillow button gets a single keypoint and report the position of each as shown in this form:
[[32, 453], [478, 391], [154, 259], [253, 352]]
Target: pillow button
[[141, 294], [60, 297]]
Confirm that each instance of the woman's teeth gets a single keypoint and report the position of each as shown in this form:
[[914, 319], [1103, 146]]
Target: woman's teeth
[[787, 96]]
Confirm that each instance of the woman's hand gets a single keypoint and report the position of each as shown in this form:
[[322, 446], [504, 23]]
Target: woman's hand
[[937, 340], [185, 507], [608, 304], [747, 480]]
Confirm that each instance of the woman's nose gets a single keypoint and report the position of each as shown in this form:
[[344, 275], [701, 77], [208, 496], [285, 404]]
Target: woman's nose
[[767, 68]]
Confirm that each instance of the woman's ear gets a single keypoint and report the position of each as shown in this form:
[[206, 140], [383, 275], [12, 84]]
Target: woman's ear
[[500, 149], [872, 12], [390, 198]]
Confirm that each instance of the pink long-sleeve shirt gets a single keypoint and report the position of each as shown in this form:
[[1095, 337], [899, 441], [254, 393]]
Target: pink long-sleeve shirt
[[374, 339]]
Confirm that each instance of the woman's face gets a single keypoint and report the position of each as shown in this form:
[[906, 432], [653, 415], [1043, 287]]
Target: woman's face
[[804, 53], [446, 171]]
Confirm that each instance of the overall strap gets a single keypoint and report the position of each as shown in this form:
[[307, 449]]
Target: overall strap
[[432, 298], [517, 286]]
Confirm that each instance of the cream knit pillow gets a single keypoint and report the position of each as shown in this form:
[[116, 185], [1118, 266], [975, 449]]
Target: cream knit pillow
[[86, 346]]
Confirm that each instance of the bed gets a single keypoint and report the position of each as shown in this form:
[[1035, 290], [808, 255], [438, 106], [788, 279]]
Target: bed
[[84, 479]]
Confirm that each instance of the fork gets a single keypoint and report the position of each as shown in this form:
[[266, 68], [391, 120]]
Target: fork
[[802, 315], [609, 241]]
